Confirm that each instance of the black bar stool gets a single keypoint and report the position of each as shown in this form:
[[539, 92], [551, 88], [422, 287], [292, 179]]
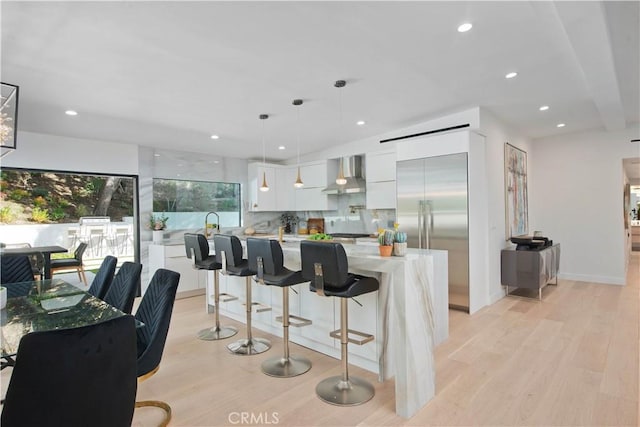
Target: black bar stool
[[266, 258], [325, 265], [197, 249], [229, 255]]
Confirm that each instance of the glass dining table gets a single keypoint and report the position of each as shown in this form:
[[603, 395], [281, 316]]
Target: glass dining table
[[46, 305]]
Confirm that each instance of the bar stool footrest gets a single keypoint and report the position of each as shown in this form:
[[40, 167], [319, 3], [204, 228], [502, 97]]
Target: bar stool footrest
[[365, 337], [296, 321], [224, 297], [258, 307]]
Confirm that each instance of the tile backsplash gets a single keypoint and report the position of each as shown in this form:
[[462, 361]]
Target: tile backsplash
[[350, 217]]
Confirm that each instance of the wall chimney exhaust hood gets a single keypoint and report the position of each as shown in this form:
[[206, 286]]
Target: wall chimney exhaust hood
[[352, 168]]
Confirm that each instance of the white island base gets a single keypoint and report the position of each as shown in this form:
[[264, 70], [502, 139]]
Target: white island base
[[408, 316]]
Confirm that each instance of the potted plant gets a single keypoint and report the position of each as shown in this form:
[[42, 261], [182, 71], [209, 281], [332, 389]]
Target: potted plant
[[158, 223], [288, 220], [400, 243], [385, 242]]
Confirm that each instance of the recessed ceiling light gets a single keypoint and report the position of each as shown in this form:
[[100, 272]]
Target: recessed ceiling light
[[71, 113], [361, 122], [282, 147], [215, 137], [216, 161], [510, 75], [544, 108], [157, 155], [464, 27], [560, 125]]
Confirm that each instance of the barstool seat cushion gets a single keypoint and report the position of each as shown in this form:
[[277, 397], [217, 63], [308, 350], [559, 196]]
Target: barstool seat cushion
[[242, 269], [286, 278], [354, 286], [208, 264]]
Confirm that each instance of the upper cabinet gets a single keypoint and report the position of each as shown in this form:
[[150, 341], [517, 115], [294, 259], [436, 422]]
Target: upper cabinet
[[282, 195], [381, 166], [381, 180], [310, 197], [285, 191]]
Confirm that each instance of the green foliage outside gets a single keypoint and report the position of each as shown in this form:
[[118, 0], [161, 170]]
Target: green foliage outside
[[39, 215], [45, 197], [195, 196]]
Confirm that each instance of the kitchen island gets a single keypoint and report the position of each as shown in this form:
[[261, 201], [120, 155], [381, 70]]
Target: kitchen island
[[408, 316]]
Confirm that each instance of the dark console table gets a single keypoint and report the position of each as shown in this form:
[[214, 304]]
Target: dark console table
[[529, 269]]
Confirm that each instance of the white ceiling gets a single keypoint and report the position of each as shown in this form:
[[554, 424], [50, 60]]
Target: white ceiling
[[169, 74]]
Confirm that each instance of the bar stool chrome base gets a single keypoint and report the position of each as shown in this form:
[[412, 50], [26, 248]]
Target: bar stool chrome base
[[286, 368], [248, 347], [336, 391], [217, 333]]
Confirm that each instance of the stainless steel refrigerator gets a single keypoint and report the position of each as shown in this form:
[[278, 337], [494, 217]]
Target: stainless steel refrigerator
[[433, 209]]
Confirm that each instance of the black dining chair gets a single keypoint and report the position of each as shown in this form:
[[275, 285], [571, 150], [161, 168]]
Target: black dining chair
[[155, 312], [74, 263], [15, 269], [104, 277], [37, 260], [74, 377], [124, 286]]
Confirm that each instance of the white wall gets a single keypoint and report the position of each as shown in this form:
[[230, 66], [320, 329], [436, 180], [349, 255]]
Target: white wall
[[578, 201], [40, 151], [496, 135]]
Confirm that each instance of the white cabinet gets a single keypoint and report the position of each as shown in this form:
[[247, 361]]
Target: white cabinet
[[315, 177], [381, 180], [381, 166], [314, 174], [381, 195], [260, 201], [284, 190], [313, 199], [173, 257]]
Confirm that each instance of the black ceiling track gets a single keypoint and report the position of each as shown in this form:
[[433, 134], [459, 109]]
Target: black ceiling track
[[429, 132]]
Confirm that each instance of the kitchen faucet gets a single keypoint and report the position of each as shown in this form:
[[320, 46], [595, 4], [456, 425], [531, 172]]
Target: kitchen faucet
[[206, 224]]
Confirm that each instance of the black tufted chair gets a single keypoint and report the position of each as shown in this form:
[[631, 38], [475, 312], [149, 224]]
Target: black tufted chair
[[72, 263], [155, 312], [267, 260], [325, 265], [123, 289], [104, 277], [14, 269], [74, 377], [229, 255], [197, 249]]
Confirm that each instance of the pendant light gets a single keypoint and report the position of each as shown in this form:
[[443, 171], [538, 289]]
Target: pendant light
[[340, 180], [264, 186], [298, 183]]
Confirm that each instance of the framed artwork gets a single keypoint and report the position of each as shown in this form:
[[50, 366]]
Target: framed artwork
[[516, 196], [8, 117]]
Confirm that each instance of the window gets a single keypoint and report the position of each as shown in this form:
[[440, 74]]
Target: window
[[186, 203]]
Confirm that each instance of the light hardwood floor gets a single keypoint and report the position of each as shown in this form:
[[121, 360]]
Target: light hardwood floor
[[570, 360]]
